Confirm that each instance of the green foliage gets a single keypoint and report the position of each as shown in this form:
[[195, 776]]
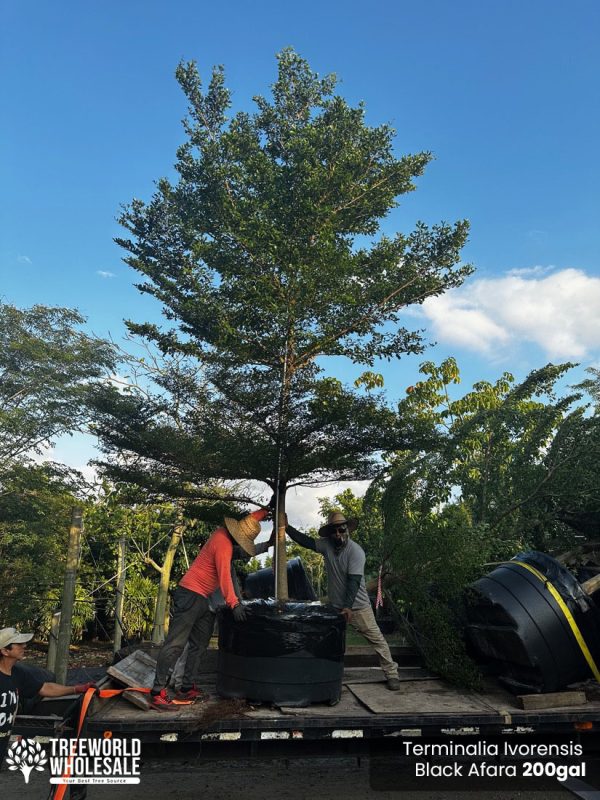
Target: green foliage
[[592, 386], [46, 368], [138, 604], [36, 502], [505, 467], [148, 528], [83, 612], [499, 448], [265, 256], [436, 556]]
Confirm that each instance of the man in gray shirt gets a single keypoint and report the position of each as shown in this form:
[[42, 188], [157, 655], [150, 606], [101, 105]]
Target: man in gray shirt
[[345, 564]]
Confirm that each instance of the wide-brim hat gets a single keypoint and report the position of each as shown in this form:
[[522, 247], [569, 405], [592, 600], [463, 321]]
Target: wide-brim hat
[[12, 636], [244, 531], [337, 518]]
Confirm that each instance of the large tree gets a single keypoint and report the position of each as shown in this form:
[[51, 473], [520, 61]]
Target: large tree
[[267, 256]]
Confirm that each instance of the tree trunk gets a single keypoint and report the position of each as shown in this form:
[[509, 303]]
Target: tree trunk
[[280, 566], [161, 609]]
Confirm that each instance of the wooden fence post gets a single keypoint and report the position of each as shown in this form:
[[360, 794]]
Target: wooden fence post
[[53, 641], [120, 593], [68, 597]]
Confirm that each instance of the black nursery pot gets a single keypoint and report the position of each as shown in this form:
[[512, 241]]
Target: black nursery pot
[[286, 653], [261, 584], [518, 629]]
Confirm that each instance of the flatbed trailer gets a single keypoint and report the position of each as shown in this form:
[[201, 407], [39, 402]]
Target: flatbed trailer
[[424, 707]]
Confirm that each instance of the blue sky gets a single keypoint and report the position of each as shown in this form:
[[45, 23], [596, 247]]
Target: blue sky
[[504, 93]]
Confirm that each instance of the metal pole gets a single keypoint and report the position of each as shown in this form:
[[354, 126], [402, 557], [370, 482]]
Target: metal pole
[[120, 593], [68, 598]]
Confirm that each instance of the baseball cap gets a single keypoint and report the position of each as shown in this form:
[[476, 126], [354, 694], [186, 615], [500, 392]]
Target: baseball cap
[[12, 636]]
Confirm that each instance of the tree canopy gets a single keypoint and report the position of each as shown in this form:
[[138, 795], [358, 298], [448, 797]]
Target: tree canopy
[[267, 256]]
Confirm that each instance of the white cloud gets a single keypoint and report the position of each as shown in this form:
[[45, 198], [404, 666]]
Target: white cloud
[[559, 312], [105, 274], [537, 270], [24, 260]]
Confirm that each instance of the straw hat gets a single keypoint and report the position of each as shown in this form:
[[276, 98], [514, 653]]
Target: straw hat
[[337, 518], [244, 532], [12, 636]]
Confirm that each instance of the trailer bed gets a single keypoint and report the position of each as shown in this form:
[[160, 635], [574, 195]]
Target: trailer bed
[[425, 706], [367, 710]]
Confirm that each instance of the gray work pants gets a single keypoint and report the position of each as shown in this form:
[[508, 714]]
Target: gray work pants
[[192, 622], [363, 620]]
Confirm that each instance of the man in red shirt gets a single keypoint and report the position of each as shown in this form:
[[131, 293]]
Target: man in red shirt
[[192, 618]]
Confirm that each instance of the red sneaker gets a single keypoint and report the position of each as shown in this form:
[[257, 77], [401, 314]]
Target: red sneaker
[[161, 701], [193, 694]]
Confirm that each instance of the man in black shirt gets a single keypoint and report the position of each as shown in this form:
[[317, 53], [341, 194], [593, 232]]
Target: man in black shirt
[[15, 683]]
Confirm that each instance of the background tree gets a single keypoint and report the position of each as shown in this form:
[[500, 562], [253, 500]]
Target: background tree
[[46, 367], [503, 468], [159, 538], [35, 513], [266, 256]]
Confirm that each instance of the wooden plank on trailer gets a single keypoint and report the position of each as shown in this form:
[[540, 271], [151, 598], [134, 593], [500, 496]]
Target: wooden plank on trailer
[[531, 702], [136, 670], [422, 697], [347, 706]]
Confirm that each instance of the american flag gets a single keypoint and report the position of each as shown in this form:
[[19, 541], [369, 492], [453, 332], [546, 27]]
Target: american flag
[[379, 598]]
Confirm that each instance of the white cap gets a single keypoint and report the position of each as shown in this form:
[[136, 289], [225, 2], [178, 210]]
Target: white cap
[[12, 636]]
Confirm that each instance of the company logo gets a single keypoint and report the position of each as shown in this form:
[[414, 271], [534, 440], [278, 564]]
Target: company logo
[[79, 761], [26, 755]]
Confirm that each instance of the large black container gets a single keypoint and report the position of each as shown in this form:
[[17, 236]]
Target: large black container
[[519, 629], [261, 584], [285, 653]]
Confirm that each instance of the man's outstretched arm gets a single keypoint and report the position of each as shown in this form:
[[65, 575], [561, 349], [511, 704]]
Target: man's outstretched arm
[[301, 538]]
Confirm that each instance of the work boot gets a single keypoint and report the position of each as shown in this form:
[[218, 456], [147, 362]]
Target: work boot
[[195, 693], [393, 684], [161, 701]]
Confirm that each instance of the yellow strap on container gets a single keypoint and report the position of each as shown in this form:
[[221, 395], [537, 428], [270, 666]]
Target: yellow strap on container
[[568, 616]]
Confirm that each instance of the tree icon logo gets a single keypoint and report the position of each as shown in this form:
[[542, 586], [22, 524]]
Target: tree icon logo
[[26, 755]]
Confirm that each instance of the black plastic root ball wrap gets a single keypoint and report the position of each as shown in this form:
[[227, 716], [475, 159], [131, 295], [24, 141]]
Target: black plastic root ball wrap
[[518, 629], [285, 653]]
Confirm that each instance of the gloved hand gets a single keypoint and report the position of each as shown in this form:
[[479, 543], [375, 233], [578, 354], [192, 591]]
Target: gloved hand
[[81, 688], [239, 613]]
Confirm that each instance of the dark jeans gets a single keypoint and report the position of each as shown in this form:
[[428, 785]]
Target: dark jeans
[[192, 622]]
